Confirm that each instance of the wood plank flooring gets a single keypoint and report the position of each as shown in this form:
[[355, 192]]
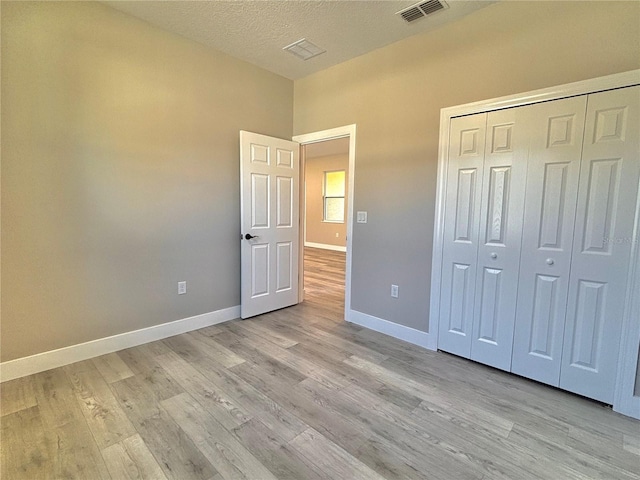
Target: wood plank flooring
[[300, 394]]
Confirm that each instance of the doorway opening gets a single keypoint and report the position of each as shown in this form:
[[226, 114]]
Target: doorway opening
[[324, 230], [327, 164]]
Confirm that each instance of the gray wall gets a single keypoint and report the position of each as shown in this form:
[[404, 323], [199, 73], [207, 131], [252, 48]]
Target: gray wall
[[120, 173], [395, 94], [120, 154]]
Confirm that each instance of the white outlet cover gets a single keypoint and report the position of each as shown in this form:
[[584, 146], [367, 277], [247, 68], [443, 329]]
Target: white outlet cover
[[394, 291], [361, 217], [182, 288]]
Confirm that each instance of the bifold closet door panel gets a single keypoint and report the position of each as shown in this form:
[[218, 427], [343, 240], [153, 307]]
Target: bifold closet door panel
[[501, 211], [462, 218], [556, 133], [607, 197]]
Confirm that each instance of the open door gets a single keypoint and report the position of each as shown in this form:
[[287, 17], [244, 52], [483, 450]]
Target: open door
[[269, 219]]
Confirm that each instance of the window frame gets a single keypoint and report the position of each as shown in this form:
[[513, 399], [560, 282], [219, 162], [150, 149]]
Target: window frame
[[325, 196]]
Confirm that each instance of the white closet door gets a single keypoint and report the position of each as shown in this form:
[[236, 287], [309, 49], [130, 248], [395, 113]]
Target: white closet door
[[503, 182], [607, 198], [462, 218], [556, 132]]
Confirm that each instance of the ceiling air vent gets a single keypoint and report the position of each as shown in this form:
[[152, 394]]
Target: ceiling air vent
[[304, 49], [421, 10]]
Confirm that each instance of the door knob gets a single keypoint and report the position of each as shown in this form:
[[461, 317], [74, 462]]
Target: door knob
[[550, 261], [248, 236], [494, 255]]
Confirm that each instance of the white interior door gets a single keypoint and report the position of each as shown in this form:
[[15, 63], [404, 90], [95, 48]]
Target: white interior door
[[556, 131], [462, 223], [269, 211], [607, 197], [501, 212]]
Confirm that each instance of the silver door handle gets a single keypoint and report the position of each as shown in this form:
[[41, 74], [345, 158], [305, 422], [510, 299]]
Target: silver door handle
[[494, 255], [550, 261]]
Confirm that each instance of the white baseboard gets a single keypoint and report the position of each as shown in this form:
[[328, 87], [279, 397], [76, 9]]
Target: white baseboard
[[325, 246], [21, 367], [408, 334]]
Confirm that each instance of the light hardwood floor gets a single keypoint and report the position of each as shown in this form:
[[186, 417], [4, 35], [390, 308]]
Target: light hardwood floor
[[300, 394]]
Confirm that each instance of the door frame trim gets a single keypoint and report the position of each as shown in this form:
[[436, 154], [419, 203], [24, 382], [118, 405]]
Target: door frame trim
[[624, 401], [321, 136]]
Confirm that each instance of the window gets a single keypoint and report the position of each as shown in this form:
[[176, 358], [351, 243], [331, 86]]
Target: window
[[334, 196]]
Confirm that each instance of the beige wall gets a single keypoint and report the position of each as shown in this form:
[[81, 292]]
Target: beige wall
[[120, 173], [317, 230], [395, 94]]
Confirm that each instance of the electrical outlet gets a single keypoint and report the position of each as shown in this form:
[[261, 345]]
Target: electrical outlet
[[182, 288], [394, 291], [337, 235], [361, 217]]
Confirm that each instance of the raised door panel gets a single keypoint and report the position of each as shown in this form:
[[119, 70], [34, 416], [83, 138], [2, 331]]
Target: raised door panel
[[284, 264], [544, 317], [259, 270], [465, 204], [587, 335], [607, 199], [260, 201], [259, 154], [601, 205], [556, 131], [490, 300], [284, 207], [459, 299], [505, 169], [461, 232]]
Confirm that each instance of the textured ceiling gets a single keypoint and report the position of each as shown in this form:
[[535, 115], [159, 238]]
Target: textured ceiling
[[256, 31]]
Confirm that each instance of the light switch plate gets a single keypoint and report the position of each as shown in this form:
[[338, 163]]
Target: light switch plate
[[361, 217]]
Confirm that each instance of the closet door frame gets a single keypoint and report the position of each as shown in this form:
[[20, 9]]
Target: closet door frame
[[624, 400]]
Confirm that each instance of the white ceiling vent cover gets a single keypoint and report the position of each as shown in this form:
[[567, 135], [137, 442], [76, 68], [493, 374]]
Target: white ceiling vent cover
[[304, 49], [421, 10]]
